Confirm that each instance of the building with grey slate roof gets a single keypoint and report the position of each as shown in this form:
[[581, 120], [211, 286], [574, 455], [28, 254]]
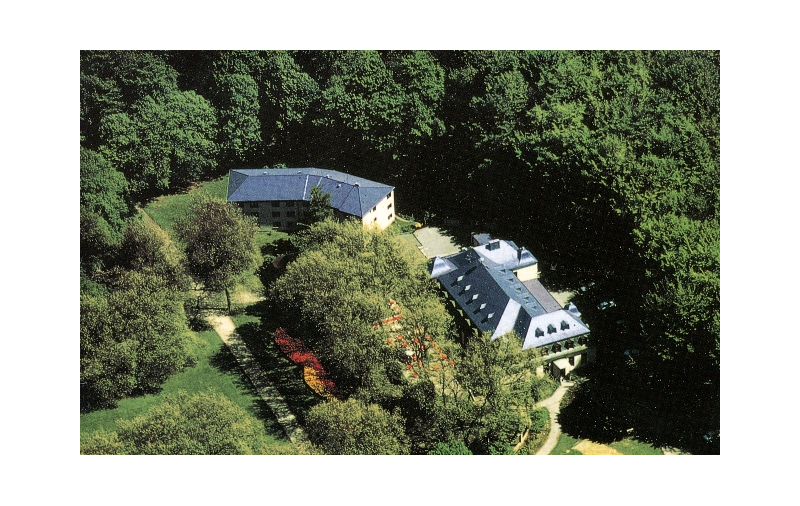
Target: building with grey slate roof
[[493, 287], [280, 197]]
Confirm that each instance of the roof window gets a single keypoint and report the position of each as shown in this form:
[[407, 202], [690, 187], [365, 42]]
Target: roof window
[[564, 325], [551, 329], [539, 332], [493, 245]]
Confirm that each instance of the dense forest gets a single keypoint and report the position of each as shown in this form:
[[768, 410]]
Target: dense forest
[[605, 164]]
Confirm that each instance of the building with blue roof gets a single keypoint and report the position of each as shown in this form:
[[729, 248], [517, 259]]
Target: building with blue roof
[[279, 198], [494, 287]]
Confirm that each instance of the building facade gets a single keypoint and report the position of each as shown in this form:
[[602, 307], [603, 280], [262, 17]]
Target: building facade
[[279, 198]]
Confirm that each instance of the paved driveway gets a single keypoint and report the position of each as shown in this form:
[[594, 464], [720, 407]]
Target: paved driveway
[[435, 243]]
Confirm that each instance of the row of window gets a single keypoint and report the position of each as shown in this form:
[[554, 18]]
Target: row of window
[[556, 348], [290, 203]]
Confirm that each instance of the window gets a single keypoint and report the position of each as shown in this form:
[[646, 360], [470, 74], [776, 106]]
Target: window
[[390, 216], [276, 224], [276, 214], [276, 204], [388, 195], [389, 206], [374, 208], [571, 360], [291, 214]]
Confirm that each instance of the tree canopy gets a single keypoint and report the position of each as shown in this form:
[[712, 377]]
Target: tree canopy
[[219, 242], [202, 424], [607, 163]]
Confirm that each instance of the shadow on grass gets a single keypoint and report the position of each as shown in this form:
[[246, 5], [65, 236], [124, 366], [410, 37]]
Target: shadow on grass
[[606, 412], [285, 375], [226, 362]]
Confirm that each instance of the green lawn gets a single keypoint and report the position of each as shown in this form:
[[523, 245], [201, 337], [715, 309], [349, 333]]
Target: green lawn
[[168, 209]]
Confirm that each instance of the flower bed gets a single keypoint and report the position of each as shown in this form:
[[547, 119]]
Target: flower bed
[[313, 372]]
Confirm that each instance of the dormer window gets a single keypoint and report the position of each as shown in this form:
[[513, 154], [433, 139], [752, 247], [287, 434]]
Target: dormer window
[[564, 325], [539, 332], [551, 329]]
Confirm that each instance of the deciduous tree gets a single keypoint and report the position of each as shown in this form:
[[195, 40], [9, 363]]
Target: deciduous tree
[[131, 340], [219, 241], [206, 423], [355, 428], [104, 191]]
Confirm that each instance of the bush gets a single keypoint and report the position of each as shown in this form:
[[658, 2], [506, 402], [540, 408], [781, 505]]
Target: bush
[[450, 448]]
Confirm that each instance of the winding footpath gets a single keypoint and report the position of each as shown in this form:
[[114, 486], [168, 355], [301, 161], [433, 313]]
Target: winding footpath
[[552, 404]]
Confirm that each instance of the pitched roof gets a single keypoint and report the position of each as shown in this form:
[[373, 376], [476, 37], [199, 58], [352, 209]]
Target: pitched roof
[[495, 300], [349, 194]]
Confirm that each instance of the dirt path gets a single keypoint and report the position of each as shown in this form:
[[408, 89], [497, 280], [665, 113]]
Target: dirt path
[[552, 403], [585, 447]]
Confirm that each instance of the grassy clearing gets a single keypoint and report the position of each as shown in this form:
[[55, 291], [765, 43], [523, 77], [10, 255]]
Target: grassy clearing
[[170, 208]]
